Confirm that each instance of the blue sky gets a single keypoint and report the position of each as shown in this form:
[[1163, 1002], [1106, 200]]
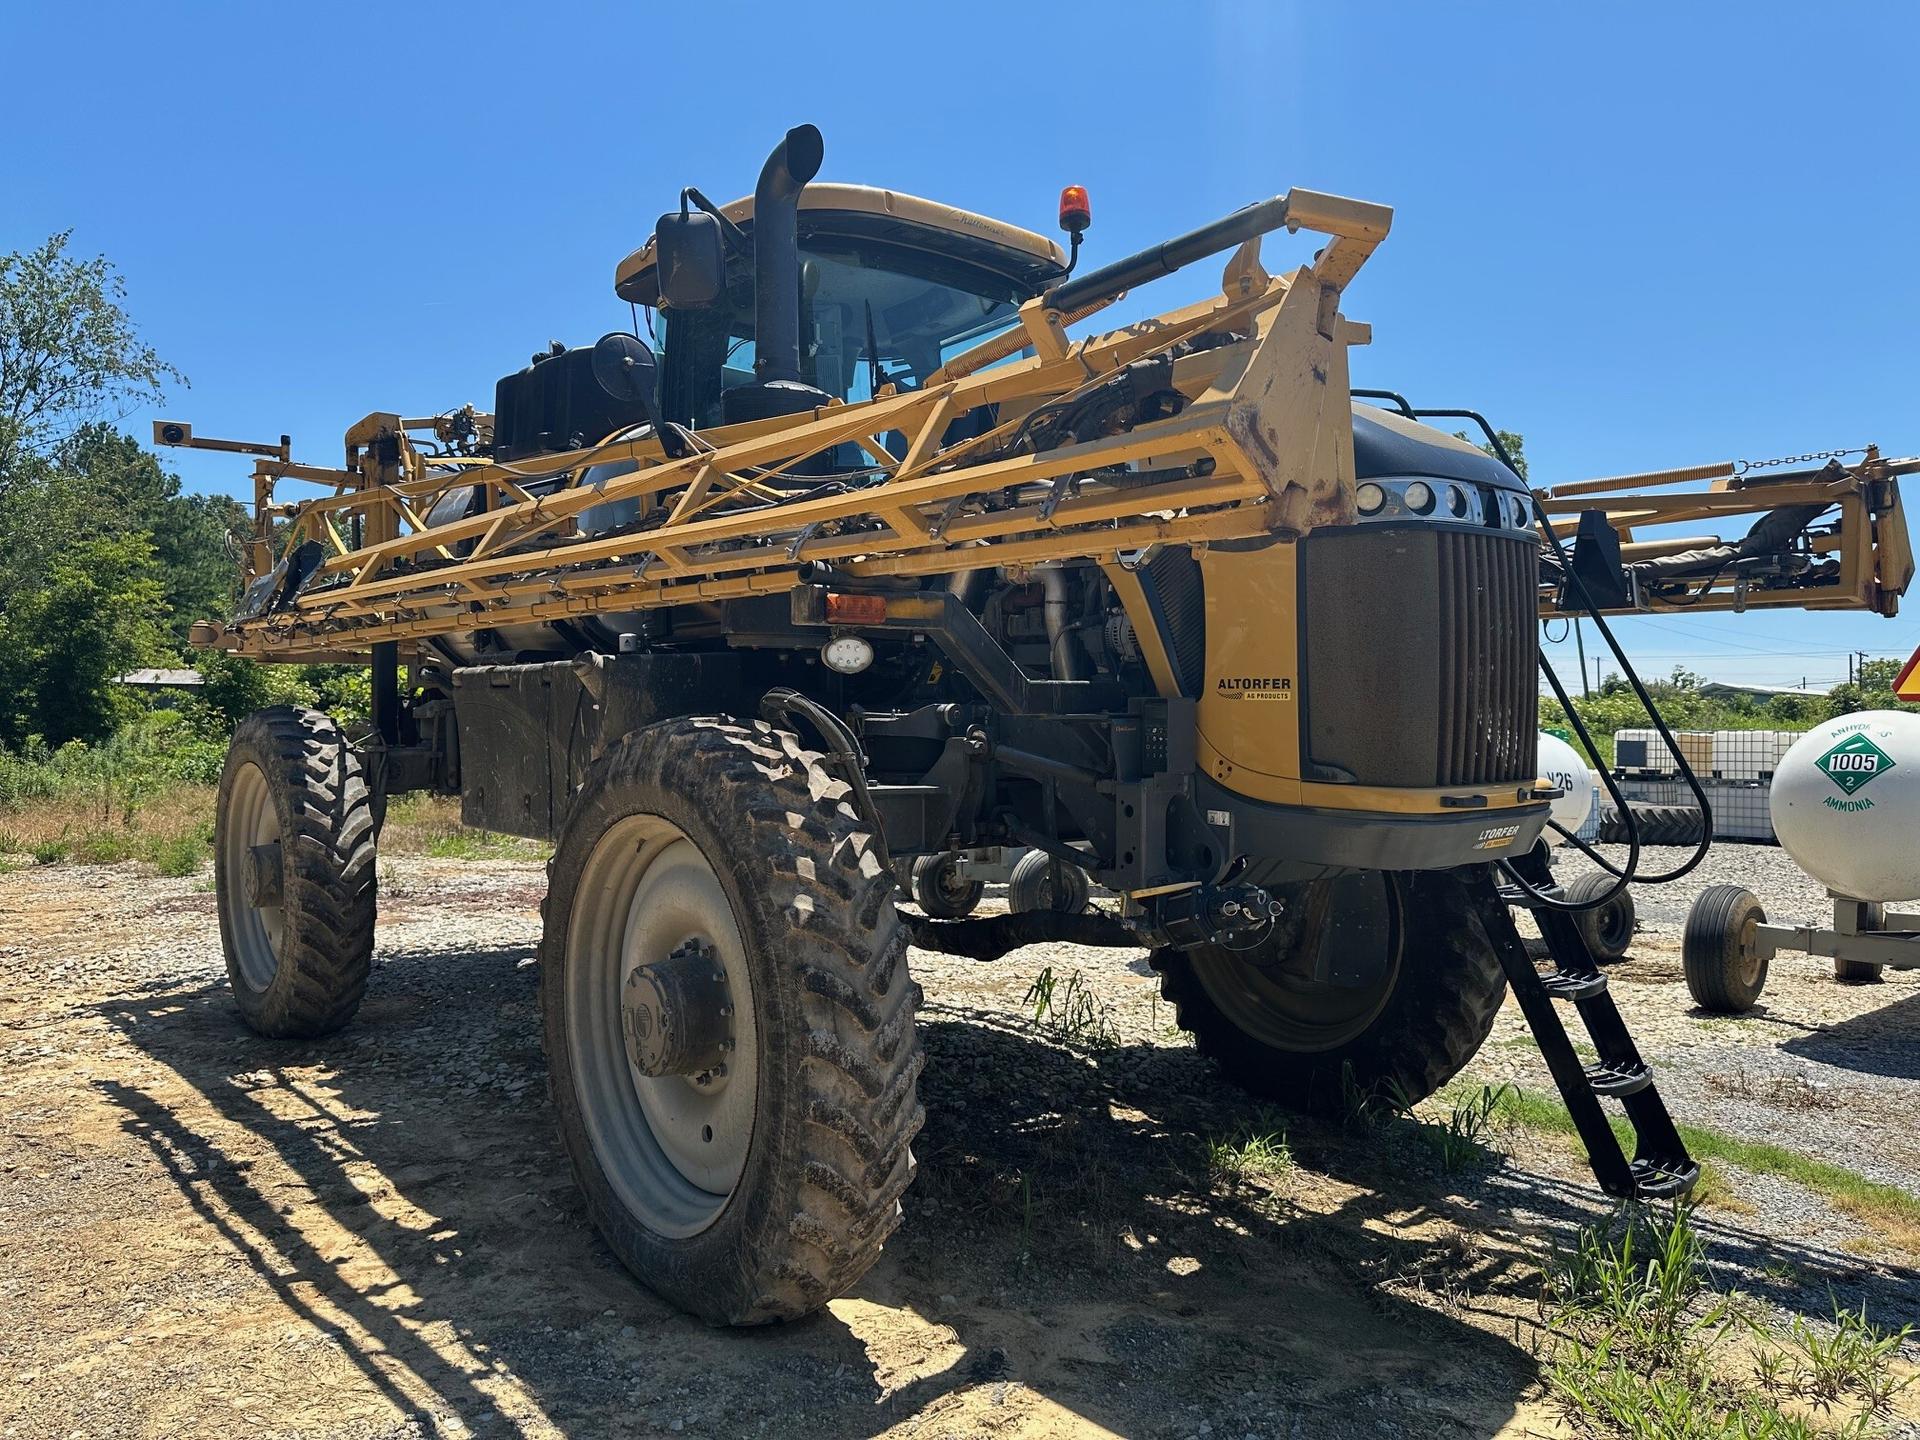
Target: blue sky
[[1642, 236]]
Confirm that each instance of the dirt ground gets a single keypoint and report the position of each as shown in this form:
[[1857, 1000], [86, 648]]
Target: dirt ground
[[203, 1233]]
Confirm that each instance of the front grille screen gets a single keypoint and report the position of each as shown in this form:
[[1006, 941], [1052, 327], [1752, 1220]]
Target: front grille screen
[[1420, 656]]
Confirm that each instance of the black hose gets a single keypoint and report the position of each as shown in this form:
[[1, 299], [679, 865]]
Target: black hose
[[1630, 875], [834, 734]]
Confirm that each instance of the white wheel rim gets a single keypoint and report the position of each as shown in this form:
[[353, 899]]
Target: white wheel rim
[[255, 933], [671, 1148]]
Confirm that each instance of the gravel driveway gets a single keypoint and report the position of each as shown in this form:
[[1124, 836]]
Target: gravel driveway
[[203, 1233]]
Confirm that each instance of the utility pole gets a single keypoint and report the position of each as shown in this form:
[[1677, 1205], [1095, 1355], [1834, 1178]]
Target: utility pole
[[1581, 646]]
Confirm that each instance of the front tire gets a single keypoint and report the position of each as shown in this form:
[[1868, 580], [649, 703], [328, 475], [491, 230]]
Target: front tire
[[759, 1190], [294, 873], [1427, 941]]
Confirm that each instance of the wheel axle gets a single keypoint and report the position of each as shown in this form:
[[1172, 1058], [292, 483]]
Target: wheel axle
[[675, 1014]]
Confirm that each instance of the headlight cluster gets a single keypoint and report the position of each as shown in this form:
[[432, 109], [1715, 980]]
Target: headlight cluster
[[1443, 500]]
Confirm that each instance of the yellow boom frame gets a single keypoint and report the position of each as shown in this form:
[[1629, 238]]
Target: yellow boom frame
[[1264, 446]]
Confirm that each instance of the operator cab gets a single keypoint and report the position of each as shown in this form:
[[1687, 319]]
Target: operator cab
[[891, 288]]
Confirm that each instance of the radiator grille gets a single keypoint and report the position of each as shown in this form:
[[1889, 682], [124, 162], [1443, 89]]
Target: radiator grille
[[1489, 712], [1420, 655], [1173, 587]]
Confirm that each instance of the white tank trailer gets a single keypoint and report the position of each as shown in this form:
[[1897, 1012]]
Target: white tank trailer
[[1846, 806]]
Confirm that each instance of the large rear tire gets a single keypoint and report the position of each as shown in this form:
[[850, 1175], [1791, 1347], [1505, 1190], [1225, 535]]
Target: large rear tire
[[1427, 943], [1655, 825], [294, 874], [759, 1187]]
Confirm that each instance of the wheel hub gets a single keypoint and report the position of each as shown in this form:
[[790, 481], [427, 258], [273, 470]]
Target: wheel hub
[[676, 1015], [264, 883]]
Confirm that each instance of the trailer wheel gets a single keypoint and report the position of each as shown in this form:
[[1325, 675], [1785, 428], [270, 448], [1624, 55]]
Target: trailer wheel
[[1857, 972], [1435, 984], [941, 890], [294, 874], [1719, 951], [1031, 886], [729, 1020], [1608, 928]]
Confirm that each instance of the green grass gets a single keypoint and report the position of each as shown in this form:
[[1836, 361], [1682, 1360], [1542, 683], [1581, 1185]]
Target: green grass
[[1248, 1155], [475, 845], [1637, 1345], [1071, 1010], [1891, 1210]]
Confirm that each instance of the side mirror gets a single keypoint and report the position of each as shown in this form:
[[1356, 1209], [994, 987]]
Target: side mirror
[[690, 259]]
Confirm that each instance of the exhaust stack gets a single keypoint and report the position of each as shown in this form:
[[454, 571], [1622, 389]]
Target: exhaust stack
[[776, 252]]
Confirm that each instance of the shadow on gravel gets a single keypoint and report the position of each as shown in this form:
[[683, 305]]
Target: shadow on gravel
[[1881, 1042], [1065, 1233]]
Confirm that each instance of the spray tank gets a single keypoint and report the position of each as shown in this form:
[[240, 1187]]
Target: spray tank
[[1846, 804]]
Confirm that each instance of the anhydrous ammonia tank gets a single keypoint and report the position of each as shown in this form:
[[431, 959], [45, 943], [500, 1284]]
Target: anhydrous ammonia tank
[[1562, 767], [1846, 804]]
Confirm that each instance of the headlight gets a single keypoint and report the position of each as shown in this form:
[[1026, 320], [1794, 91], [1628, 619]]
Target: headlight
[[847, 654], [1456, 501], [1419, 497], [1369, 498]]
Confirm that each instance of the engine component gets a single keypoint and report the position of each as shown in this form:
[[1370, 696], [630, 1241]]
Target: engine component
[[568, 399]]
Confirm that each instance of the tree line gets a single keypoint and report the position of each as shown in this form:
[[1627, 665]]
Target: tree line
[[105, 561]]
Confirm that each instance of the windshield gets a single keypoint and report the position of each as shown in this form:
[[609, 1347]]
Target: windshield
[[875, 315]]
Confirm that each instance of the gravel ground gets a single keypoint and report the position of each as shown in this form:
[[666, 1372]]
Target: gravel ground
[[1816, 1066], [203, 1233]]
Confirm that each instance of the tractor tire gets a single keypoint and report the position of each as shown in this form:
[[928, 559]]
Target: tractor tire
[[296, 925], [1657, 825], [1724, 967], [759, 1183], [1324, 1048], [1607, 929], [1031, 886], [941, 891]]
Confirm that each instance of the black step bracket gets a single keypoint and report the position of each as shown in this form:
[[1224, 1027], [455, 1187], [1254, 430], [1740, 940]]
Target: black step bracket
[[1616, 1081], [1572, 985], [1660, 1168]]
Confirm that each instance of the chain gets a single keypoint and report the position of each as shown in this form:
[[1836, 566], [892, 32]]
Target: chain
[[1741, 467]]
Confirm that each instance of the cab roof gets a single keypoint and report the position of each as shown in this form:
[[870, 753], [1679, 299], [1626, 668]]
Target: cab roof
[[864, 213]]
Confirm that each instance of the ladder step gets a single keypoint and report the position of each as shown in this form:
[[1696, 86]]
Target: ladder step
[[1664, 1179], [1570, 985], [1619, 1080]]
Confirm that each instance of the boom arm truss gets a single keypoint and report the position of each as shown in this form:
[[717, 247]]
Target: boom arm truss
[[1831, 538], [1259, 443]]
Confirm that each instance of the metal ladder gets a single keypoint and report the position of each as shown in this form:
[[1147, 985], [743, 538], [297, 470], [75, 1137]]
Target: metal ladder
[[1660, 1168]]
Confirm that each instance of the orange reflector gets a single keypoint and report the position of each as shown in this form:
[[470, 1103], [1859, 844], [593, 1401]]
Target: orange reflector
[[856, 609], [1906, 685], [1076, 212]]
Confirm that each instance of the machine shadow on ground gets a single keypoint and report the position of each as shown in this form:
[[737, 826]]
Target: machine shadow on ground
[[1881, 1042], [400, 1190]]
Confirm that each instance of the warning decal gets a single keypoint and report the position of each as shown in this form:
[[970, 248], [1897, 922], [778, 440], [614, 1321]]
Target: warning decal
[[1906, 685]]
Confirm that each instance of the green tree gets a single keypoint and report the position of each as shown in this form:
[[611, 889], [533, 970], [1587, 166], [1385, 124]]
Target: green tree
[[100, 612], [195, 537], [1871, 689], [69, 353], [1514, 442]]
